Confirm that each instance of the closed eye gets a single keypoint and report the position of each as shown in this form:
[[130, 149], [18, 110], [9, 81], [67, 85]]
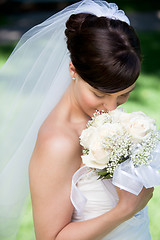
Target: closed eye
[[99, 96]]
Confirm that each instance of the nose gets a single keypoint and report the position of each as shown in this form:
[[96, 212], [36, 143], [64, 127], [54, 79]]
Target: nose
[[111, 105]]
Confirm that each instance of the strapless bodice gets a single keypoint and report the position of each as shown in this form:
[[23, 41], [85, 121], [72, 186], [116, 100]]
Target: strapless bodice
[[101, 197]]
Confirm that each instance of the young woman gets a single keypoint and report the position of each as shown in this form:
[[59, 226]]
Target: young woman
[[104, 64]]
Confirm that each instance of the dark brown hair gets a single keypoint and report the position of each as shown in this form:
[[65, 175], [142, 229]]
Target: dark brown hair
[[105, 52]]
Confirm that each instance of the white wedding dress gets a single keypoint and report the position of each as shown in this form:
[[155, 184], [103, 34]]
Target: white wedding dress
[[101, 197]]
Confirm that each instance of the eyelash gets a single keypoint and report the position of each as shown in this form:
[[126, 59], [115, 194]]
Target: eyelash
[[98, 96]]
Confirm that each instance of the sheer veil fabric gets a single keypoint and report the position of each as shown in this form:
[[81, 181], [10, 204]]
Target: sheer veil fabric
[[32, 81]]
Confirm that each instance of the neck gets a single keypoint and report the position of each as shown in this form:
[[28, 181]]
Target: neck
[[73, 109]]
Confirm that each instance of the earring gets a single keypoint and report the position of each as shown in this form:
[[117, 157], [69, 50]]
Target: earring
[[74, 78]]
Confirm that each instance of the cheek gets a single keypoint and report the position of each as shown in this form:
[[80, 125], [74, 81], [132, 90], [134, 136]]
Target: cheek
[[122, 100], [87, 100]]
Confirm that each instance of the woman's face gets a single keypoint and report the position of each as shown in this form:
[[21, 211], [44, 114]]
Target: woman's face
[[90, 99]]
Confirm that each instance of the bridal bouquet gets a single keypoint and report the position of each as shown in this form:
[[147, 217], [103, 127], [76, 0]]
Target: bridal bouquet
[[118, 137]]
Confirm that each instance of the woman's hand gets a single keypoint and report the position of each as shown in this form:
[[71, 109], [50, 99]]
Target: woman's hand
[[130, 203]]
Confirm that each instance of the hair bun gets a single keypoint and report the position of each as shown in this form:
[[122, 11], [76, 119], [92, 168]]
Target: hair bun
[[74, 23]]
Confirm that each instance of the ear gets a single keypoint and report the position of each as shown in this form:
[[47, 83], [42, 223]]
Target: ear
[[72, 70]]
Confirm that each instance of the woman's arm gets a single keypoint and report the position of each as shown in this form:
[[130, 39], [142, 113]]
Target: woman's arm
[[52, 166], [98, 227]]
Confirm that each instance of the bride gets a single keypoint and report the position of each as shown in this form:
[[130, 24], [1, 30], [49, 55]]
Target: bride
[[103, 63]]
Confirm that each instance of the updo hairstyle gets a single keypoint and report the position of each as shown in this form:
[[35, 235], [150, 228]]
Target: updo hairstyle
[[105, 52]]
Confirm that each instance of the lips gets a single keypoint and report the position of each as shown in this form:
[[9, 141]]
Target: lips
[[102, 111]]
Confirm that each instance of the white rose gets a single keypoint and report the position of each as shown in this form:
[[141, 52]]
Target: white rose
[[115, 114], [99, 120], [104, 130], [91, 162], [110, 130], [97, 157], [118, 115], [140, 126], [87, 136]]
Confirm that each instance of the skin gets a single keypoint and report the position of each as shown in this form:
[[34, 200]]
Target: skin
[[57, 156]]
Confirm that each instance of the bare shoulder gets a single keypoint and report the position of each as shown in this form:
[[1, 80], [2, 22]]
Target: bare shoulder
[[57, 155], [57, 151], [59, 140], [55, 159]]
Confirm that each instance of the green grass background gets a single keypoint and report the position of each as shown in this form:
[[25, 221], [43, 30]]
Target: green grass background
[[146, 97]]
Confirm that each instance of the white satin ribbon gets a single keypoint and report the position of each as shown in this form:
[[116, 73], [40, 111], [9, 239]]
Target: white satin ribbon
[[125, 178], [132, 179], [77, 198]]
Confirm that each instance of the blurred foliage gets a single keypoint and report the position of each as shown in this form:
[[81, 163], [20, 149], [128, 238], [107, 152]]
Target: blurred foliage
[[136, 5], [146, 96], [3, 20], [5, 51], [150, 44], [26, 231]]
